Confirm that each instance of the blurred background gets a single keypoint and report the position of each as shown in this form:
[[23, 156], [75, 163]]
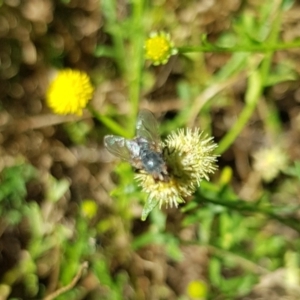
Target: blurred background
[[70, 213]]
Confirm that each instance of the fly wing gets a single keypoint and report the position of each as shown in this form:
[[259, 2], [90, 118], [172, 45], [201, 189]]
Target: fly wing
[[147, 126], [121, 147]]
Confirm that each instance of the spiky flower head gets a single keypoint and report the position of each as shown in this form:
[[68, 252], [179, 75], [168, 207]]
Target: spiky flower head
[[190, 159], [69, 92], [268, 162], [159, 48]]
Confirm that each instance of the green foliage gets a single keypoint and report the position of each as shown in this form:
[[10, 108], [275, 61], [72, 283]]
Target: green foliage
[[225, 227], [294, 170], [13, 192], [113, 289], [245, 237], [78, 132]]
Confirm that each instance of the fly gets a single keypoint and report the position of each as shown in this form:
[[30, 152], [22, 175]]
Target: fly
[[144, 151]]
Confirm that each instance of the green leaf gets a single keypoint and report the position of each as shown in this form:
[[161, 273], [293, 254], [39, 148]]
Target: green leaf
[[104, 51], [57, 188], [149, 206]]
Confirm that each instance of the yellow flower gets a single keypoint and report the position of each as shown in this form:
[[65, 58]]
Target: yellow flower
[[190, 159], [69, 92], [159, 48], [197, 289], [89, 208]]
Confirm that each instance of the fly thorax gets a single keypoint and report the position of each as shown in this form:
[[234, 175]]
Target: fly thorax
[[152, 161]]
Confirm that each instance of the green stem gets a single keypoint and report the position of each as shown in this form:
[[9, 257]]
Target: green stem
[[243, 206], [252, 97], [264, 47], [237, 128], [109, 9], [136, 59], [109, 123], [256, 83]]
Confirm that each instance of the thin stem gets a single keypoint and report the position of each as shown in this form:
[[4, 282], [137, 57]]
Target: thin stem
[[256, 83], [242, 261], [264, 47], [109, 8], [109, 123], [136, 59], [237, 127], [240, 205], [69, 286]]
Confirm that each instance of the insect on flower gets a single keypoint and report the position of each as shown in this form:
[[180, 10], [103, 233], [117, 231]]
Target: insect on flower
[[143, 152]]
